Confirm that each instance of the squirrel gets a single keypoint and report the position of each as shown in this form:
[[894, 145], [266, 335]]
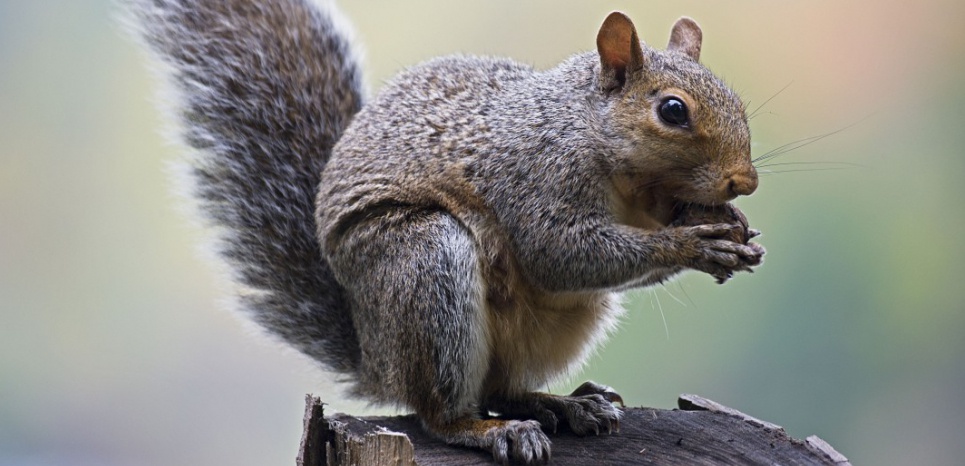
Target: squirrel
[[459, 240]]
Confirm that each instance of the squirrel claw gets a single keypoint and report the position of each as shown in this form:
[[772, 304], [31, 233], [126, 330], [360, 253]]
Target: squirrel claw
[[722, 278], [519, 441], [592, 388]]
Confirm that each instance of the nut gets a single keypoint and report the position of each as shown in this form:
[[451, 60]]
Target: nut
[[695, 214]]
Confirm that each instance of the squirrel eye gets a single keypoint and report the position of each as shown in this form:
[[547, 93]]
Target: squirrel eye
[[673, 112]]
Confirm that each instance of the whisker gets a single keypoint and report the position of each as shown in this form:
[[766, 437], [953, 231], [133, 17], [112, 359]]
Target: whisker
[[793, 145], [784, 148], [684, 291], [847, 164], [666, 328], [652, 182], [753, 113], [774, 172], [762, 113], [667, 290]]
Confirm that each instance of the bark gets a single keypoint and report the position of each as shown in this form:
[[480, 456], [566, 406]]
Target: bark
[[700, 432]]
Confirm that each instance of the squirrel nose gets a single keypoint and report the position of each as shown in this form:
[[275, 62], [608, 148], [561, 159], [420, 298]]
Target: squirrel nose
[[742, 184]]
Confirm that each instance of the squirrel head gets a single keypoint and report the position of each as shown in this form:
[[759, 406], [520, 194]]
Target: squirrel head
[[684, 133]]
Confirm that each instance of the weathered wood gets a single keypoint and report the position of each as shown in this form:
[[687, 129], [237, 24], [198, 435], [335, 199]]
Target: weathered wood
[[701, 432], [311, 451]]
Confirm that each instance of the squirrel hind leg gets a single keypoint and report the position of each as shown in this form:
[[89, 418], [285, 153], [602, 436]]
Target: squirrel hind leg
[[588, 410], [414, 286], [412, 279]]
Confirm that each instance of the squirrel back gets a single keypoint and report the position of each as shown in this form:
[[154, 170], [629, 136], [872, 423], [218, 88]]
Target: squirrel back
[[263, 90]]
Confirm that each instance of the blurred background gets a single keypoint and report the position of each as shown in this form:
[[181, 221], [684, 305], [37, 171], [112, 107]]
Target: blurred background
[[115, 348]]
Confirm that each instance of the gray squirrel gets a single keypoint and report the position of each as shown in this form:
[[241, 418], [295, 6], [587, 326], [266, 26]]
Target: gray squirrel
[[459, 240]]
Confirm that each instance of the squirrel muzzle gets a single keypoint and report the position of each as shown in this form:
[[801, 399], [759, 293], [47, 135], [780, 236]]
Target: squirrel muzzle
[[742, 183]]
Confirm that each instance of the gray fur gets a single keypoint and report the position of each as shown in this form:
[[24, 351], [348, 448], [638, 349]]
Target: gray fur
[[472, 225], [415, 304], [495, 126], [264, 89]]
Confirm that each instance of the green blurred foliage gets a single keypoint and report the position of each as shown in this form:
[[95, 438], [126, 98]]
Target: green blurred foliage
[[115, 348]]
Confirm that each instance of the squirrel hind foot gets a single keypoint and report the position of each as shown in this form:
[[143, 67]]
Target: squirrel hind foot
[[592, 388], [592, 413], [510, 441], [588, 410]]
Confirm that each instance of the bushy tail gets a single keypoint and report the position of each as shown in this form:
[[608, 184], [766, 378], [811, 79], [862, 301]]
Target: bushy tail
[[262, 90]]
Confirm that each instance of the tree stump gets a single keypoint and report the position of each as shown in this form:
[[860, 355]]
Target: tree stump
[[700, 432]]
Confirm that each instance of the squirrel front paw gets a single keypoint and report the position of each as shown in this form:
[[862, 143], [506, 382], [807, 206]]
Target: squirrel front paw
[[707, 248], [716, 240]]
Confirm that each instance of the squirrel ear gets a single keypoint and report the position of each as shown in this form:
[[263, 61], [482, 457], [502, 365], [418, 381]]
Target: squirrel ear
[[685, 37], [620, 51]]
